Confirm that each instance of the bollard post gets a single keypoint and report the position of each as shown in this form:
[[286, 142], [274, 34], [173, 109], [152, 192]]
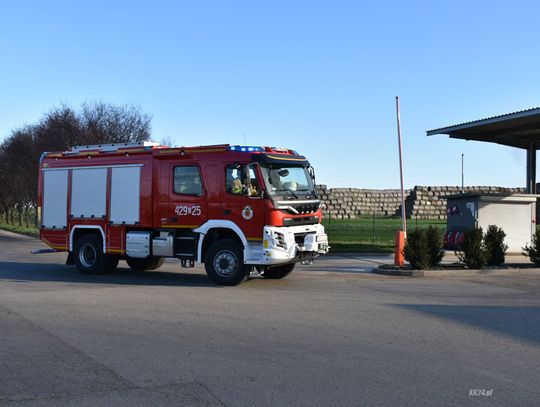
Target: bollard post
[[399, 259]]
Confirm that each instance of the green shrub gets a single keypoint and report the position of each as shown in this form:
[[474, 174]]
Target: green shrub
[[472, 251], [435, 245], [533, 251], [416, 250], [495, 246]]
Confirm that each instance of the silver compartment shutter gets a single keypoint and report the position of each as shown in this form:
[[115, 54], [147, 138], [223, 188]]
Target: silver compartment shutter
[[55, 198], [88, 192], [125, 195]]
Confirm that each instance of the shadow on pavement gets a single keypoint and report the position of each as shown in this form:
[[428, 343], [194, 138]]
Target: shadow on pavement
[[336, 269], [22, 272], [519, 322]]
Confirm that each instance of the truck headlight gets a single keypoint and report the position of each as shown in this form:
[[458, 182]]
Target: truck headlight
[[280, 240]]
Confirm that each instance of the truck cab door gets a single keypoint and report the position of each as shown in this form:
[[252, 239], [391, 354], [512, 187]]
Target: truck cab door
[[186, 207], [243, 200]]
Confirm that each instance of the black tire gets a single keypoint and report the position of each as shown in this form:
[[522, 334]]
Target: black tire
[[89, 257], [150, 263], [224, 263], [277, 272]]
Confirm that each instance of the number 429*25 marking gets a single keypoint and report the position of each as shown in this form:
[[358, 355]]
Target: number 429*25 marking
[[185, 210]]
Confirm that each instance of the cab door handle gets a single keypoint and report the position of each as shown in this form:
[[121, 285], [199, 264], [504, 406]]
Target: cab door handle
[[226, 211]]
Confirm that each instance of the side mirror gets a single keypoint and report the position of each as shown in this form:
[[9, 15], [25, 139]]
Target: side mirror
[[311, 172]]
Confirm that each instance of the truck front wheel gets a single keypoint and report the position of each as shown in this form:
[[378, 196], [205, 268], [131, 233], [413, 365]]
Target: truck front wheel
[[224, 263], [150, 263], [89, 257], [277, 272]]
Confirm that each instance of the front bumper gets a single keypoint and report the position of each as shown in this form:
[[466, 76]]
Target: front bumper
[[292, 243]]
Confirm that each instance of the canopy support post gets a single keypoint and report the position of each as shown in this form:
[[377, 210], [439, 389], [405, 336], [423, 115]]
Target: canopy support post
[[531, 168]]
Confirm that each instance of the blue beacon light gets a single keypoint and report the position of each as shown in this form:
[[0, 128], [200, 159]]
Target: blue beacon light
[[245, 148]]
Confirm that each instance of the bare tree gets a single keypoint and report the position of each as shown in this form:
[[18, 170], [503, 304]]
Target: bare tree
[[106, 123], [7, 201], [167, 141], [21, 166], [58, 130]]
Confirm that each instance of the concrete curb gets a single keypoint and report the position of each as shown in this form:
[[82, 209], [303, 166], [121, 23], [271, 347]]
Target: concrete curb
[[335, 254], [397, 272], [454, 273]]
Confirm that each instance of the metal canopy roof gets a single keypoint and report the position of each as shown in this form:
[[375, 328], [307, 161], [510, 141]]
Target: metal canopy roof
[[519, 129]]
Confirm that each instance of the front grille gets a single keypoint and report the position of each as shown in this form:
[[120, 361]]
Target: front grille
[[299, 207], [306, 220], [306, 208]]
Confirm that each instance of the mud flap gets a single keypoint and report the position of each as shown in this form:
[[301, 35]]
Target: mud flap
[[69, 260]]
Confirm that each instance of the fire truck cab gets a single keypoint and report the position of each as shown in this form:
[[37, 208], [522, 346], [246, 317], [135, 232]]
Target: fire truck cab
[[233, 208]]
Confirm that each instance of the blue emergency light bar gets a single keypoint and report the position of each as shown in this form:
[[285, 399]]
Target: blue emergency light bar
[[245, 148], [252, 149]]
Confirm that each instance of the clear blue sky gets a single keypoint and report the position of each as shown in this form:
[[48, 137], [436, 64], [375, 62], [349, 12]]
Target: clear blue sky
[[316, 76]]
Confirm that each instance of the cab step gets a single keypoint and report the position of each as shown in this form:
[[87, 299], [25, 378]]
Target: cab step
[[187, 263]]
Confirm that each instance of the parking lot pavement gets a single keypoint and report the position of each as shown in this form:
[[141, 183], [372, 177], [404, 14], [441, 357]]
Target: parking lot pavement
[[330, 334]]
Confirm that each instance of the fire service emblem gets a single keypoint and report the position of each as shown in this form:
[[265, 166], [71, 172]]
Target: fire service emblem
[[247, 212]]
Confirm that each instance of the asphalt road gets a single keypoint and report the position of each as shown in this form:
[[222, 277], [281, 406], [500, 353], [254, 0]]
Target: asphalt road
[[329, 335]]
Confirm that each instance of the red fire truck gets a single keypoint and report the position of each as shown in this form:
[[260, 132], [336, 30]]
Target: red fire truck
[[233, 208]]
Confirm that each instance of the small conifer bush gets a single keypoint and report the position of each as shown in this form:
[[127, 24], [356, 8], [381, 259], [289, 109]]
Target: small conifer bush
[[472, 250], [435, 245], [495, 246], [416, 250], [532, 251]]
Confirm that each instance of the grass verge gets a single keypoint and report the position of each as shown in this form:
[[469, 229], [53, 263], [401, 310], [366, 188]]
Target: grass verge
[[369, 234], [20, 229]]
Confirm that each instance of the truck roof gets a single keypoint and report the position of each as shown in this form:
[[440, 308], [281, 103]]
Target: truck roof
[[258, 153]]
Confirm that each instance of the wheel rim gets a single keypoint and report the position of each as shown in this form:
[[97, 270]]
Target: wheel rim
[[87, 255], [225, 263]]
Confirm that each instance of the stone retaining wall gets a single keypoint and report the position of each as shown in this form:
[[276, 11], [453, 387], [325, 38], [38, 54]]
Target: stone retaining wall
[[421, 202]]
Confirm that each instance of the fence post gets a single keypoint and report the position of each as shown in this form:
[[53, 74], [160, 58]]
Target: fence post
[[373, 230]]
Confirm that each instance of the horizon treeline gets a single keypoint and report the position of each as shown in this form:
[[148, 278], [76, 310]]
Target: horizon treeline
[[59, 129]]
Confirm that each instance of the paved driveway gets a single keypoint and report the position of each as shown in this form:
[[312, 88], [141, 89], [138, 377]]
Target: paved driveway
[[331, 334]]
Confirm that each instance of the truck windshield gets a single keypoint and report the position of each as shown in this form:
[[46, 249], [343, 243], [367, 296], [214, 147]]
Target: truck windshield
[[290, 182]]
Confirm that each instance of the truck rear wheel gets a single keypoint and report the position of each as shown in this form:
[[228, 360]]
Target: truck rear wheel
[[150, 263], [224, 263], [89, 257], [277, 272]]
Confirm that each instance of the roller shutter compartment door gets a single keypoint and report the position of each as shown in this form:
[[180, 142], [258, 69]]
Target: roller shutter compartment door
[[88, 192], [125, 195], [55, 198]]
